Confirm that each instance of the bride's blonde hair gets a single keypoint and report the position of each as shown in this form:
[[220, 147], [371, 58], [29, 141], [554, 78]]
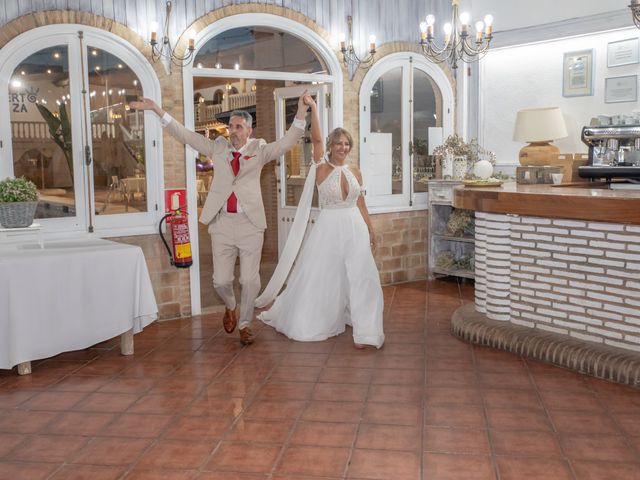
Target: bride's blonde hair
[[334, 136]]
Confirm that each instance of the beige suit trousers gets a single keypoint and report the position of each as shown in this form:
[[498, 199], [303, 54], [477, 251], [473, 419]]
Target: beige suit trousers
[[232, 234]]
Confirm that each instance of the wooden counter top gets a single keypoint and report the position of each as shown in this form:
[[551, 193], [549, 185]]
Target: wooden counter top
[[595, 204]]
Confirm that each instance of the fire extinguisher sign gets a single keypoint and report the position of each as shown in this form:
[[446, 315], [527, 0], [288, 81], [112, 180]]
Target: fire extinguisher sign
[[174, 199]]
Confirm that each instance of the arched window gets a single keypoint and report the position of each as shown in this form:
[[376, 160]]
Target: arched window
[[72, 133], [218, 96], [406, 109]]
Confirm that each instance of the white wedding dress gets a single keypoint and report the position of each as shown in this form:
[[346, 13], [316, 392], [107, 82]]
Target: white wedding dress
[[334, 281]]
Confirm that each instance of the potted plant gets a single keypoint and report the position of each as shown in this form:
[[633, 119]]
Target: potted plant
[[18, 202]]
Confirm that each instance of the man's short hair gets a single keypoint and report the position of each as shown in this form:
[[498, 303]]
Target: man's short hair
[[246, 116]]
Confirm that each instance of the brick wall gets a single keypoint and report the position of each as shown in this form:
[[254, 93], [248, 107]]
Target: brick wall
[[401, 236], [575, 278]]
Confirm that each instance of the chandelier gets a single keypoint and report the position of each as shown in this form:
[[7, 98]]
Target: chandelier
[[459, 42], [349, 56], [164, 49], [635, 11]]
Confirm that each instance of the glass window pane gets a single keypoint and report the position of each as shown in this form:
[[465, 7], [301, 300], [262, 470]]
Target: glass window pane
[[298, 159], [40, 114], [259, 48], [386, 117], [427, 113], [120, 183]]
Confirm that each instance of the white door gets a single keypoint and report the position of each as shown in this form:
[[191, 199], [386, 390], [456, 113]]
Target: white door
[[292, 168]]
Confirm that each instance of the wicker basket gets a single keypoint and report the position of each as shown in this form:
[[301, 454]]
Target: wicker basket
[[17, 214]]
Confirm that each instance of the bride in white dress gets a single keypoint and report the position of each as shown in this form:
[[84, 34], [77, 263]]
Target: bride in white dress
[[334, 281]]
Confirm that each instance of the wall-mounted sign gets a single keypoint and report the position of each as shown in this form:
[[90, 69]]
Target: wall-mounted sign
[[19, 100]]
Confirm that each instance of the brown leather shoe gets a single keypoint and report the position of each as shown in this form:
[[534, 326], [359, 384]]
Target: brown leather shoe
[[246, 336], [229, 321]]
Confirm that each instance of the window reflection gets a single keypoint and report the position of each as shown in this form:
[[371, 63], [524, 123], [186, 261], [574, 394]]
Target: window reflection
[[427, 113], [259, 48], [40, 115], [119, 176]]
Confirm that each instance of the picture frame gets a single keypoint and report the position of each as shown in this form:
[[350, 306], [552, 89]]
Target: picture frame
[[577, 73], [623, 52], [621, 89]]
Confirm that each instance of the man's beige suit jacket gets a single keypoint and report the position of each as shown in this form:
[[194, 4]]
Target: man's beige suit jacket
[[246, 185]]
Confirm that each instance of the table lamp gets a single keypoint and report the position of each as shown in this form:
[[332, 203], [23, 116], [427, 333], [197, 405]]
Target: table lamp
[[538, 127]]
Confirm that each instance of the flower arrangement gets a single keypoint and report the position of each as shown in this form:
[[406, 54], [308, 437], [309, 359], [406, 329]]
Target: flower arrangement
[[18, 190], [454, 145], [461, 223]]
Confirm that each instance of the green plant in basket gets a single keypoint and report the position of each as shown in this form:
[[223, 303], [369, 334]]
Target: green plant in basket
[[18, 202], [18, 190]]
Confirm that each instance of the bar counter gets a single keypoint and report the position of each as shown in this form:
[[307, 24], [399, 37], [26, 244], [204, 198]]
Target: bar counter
[[580, 203], [557, 272]]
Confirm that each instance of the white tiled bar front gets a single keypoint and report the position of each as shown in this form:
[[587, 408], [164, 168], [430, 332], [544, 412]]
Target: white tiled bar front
[[579, 279]]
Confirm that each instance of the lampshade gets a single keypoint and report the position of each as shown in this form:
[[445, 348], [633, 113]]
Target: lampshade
[[539, 124]]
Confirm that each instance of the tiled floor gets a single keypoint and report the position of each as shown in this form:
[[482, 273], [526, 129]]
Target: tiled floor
[[193, 404]]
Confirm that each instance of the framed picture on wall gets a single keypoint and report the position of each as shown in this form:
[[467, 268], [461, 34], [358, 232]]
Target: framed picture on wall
[[622, 52], [621, 89], [577, 74]]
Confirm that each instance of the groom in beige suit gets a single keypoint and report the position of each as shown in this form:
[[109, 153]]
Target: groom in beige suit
[[234, 210]]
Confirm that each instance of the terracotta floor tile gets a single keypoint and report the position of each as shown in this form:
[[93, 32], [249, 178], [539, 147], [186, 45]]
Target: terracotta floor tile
[[128, 385], [451, 378], [111, 451], [524, 419], [315, 461], [275, 410], [456, 440], [160, 474], [243, 457], [396, 393], [392, 376], [501, 380], [498, 398], [78, 423], [106, 402], [384, 465], [470, 416], [605, 470], [293, 359], [522, 442], [260, 431], [583, 422], [11, 399], [414, 362], [336, 392], [161, 404], [576, 401], [390, 414], [462, 395], [388, 437], [199, 428], [323, 411], [18, 421], [177, 454], [439, 466], [83, 472], [348, 360], [518, 468], [286, 391], [25, 471], [232, 476], [597, 447], [48, 448], [346, 375], [8, 441], [324, 434], [81, 383], [629, 422], [137, 426]]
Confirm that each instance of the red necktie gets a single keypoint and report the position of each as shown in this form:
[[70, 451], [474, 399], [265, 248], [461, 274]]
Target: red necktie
[[232, 202]]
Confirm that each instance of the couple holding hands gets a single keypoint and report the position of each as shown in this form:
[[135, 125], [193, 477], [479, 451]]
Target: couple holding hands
[[334, 281]]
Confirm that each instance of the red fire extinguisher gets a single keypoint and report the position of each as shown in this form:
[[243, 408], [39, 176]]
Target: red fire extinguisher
[[180, 255]]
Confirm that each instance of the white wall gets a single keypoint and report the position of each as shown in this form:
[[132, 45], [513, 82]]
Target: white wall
[[531, 76], [510, 14]]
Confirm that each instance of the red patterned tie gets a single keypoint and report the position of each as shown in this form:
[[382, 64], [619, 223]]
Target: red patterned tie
[[232, 202]]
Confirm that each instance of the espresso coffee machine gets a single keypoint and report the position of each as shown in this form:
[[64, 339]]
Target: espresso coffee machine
[[614, 152]]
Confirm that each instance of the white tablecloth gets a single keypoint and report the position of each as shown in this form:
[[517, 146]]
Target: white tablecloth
[[70, 295]]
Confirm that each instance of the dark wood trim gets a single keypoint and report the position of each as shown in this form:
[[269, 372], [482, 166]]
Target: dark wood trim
[[592, 204]]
